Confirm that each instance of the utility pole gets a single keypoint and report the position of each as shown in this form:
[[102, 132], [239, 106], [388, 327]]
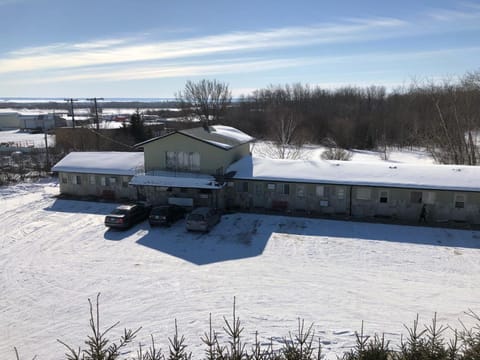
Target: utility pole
[[96, 110], [71, 109], [47, 162], [96, 120]]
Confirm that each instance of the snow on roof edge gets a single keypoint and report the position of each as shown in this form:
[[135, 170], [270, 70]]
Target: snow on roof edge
[[360, 183], [389, 175]]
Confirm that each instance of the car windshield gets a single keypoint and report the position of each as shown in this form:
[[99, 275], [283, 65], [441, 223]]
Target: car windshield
[[119, 212], [195, 217], [159, 211]]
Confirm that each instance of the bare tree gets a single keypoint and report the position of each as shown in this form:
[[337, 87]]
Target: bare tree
[[287, 138], [284, 111], [206, 100], [452, 137]]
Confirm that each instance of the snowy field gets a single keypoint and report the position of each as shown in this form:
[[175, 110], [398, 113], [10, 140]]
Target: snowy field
[[24, 139], [54, 254]]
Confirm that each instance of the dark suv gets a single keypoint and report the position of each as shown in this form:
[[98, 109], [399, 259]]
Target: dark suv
[[125, 216], [166, 215]]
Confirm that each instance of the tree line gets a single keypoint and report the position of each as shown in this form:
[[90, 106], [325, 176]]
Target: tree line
[[442, 117]]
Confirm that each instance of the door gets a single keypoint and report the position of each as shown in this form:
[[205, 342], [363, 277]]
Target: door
[[259, 196]]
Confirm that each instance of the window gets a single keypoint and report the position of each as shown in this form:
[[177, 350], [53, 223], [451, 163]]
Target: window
[[364, 194], [300, 191], [103, 181], [258, 189], [64, 179], [182, 160], [76, 179], [459, 201], [112, 180], [242, 186], [271, 187], [91, 179], [340, 193], [286, 189], [429, 197], [125, 181], [320, 190], [416, 197], [383, 198]]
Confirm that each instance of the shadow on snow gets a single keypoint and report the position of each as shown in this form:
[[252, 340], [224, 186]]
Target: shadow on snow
[[231, 239], [240, 236], [82, 207], [245, 235]]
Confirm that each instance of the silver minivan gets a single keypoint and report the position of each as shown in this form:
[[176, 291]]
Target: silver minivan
[[202, 219]]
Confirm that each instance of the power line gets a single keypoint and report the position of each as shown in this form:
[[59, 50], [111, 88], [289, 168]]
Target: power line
[[71, 109], [96, 109], [109, 138], [96, 118]]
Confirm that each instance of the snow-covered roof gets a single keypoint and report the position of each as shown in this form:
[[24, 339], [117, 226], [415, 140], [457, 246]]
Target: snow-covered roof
[[434, 177], [231, 132], [104, 162], [179, 180], [221, 136]]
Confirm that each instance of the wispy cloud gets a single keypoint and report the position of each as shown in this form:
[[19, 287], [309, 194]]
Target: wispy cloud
[[173, 70], [242, 65], [467, 11], [142, 57], [116, 51]]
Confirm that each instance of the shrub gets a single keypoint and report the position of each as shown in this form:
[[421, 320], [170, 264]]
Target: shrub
[[368, 349], [427, 343], [99, 346], [336, 153]]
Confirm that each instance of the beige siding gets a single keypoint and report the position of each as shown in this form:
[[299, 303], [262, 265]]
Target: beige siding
[[406, 204], [212, 158], [366, 202], [109, 186]]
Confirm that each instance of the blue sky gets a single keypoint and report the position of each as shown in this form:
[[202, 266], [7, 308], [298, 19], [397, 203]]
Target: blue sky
[[150, 48]]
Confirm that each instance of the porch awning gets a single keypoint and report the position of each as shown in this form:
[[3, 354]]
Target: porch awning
[[193, 182]]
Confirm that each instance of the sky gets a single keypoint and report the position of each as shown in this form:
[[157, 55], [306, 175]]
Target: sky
[[150, 48]]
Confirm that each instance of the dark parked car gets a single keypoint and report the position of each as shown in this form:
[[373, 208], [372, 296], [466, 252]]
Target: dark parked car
[[202, 219], [166, 215], [125, 216]]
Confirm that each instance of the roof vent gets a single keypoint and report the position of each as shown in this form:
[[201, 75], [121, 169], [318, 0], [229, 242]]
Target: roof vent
[[457, 169], [392, 167]]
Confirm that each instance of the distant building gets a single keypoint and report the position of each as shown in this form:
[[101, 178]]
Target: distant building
[[40, 122], [9, 120]]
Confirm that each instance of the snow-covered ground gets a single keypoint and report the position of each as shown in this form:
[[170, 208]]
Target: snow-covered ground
[[24, 139], [265, 149], [54, 254]]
